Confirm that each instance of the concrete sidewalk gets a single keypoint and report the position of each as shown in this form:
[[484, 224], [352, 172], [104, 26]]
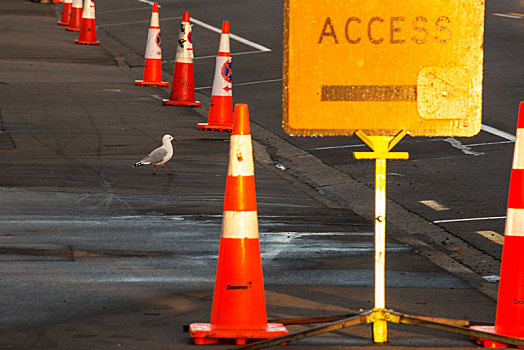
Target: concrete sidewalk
[[71, 125]]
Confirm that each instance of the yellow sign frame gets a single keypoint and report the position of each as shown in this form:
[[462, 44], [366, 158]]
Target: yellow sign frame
[[382, 67]]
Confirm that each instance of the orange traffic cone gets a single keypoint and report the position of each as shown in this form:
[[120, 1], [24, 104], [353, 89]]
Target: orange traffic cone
[[76, 16], [239, 309], [87, 28], [66, 12], [58, 1], [510, 305], [153, 67], [183, 83], [220, 115]]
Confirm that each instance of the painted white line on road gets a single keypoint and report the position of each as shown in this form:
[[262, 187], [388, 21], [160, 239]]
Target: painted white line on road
[[434, 205], [232, 54], [489, 143], [497, 132], [470, 219], [464, 148], [246, 83], [135, 22], [492, 236], [508, 15], [151, 3], [157, 97], [124, 10], [232, 36]]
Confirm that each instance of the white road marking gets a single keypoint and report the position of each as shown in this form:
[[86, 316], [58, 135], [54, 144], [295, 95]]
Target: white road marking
[[489, 143], [246, 83], [470, 219], [508, 15], [157, 97], [498, 132], [232, 36], [492, 236], [459, 145], [434, 205], [232, 54], [124, 10], [135, 22], [147, 2]]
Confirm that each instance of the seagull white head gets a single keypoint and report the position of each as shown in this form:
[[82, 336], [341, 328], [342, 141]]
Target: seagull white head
[[167, 138]]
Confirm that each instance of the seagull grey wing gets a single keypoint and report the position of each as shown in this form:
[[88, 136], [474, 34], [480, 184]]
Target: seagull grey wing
[[156, 156]]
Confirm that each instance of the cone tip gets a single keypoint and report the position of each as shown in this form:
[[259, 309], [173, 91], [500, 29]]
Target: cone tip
[[155, 7], [225, 27], [241, 120], [185, 17], [520, 122]]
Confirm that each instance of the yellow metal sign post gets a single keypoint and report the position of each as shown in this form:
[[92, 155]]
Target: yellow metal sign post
[[381, 145]]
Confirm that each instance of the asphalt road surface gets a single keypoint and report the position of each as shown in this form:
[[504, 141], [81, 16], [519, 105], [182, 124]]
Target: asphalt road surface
[[96, 253]]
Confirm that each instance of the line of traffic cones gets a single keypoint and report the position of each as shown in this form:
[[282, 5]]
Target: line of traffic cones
[[239, 309], [509, 320]]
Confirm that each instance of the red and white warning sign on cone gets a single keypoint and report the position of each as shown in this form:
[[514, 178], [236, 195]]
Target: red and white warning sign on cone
[[153, 67], [87, 28], [183, 84], [221, 109], [76, 16], [510, 304], [67, 7], [239, 307]]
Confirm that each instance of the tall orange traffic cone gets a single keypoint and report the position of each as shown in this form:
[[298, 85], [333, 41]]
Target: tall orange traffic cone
[[510, 305], [66, 12], [153, 67], [239, 309], [183, 84], [87, 28], [76, 16], [220, 115]]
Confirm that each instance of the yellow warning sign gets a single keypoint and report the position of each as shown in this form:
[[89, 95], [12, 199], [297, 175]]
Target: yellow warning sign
[[383, 66]]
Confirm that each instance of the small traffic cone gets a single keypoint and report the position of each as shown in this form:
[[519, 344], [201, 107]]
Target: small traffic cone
[[183, 83], [220, 115], [87, 34], [153, 66], [510, 303], [239, 309], [76, 16], [66, 12]]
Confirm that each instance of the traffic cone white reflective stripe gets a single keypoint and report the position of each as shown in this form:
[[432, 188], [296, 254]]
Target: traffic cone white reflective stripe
[[509, 320], [220, 115], [183, 84], [67, 7], [87, 34], [76, 16], [153, 57], [239, 310]]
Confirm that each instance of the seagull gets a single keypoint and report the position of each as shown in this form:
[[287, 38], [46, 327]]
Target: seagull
[[160, 155]]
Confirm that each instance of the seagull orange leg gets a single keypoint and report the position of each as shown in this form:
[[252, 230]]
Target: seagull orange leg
[[170, 173], [154, 168]]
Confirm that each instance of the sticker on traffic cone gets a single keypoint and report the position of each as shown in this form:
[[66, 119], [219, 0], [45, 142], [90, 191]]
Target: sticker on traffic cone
[[76, 16], [87, 34], [153, 67], [510, 303], [183, 84], [66, 12], [220, 115], [239, 309]]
